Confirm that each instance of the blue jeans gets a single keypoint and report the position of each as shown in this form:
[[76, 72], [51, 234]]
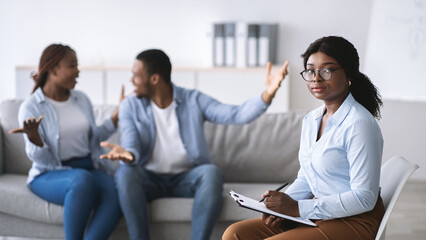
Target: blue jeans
[[138, 186], [81, 190]]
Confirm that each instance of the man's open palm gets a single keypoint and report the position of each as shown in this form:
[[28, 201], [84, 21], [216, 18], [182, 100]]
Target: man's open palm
[[116, 153]]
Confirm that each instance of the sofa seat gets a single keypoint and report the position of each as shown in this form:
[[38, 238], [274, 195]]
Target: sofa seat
[[17, 200]]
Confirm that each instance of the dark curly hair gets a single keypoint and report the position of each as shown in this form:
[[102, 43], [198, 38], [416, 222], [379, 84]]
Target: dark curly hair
[[50, 58], [156, 61], [344, 52]]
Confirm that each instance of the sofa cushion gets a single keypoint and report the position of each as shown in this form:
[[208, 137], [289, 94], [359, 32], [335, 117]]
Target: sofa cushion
[[265, 150], [15, 159], [17, 200]]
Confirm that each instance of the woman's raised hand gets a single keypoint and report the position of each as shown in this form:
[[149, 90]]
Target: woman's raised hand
[[31, 129]]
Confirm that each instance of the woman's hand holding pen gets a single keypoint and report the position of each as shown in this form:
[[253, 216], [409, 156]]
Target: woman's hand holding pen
[[273, 82], [281, 202], [31, 129]]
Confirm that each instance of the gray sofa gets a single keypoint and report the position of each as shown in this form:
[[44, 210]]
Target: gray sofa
[[253, 158]]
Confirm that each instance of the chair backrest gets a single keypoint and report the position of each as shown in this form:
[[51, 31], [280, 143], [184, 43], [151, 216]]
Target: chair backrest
[[393, 176]]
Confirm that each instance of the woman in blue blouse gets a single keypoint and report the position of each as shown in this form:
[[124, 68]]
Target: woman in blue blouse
[[64, 148], [340, 156]]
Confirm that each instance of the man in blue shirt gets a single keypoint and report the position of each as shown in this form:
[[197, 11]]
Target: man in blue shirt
[[163, 149]]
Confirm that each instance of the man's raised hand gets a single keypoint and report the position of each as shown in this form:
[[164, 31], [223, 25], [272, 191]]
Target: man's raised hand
[[273, 82]]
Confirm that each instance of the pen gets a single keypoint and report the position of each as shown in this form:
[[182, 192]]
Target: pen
[[279, 188]]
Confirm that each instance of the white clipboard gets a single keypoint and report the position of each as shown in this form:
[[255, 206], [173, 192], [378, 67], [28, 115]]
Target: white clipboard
[[255, 205]]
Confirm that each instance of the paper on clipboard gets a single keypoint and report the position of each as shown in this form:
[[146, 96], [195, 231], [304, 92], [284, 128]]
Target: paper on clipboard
[[255, 205]]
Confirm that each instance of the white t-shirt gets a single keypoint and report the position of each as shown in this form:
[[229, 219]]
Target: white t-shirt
[[169, 155], [73, 130]]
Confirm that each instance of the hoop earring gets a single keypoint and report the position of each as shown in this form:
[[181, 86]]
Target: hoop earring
[[349, 83]]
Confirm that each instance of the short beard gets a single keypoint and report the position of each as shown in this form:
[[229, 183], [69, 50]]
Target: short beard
[[148, 88]]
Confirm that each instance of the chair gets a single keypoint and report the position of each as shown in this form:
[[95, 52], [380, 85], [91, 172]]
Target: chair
[[393, 176]]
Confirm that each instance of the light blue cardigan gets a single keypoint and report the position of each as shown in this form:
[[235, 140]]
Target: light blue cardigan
[[46, 158]]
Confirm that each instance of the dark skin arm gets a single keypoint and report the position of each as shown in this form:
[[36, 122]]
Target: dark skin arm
[[278, 202], [31, 129], [282, 203]]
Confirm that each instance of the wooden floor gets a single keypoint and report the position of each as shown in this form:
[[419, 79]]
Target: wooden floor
[[408, 220]]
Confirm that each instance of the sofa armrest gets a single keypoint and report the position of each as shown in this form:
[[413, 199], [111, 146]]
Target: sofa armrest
[[1, 150]]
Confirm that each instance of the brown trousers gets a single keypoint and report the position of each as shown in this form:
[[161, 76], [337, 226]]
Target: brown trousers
[[359, 227]]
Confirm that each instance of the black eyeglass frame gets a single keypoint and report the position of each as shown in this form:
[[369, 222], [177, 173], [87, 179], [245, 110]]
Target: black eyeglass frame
[[332, 70]]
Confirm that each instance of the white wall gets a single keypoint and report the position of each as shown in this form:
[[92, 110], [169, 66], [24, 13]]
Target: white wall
[[404, 129], [396, 54], [113, 32], [396, 49]]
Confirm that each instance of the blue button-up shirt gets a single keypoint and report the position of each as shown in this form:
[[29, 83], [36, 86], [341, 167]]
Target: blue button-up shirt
[[137, 124], [339, 174], [46, 158]]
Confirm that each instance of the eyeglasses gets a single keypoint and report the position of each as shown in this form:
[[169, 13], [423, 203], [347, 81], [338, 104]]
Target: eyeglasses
[[325, 74]]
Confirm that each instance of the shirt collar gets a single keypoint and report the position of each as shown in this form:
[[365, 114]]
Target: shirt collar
[[41, 98], [39, 95], [319, 112], [340, 114], [177, 94]]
